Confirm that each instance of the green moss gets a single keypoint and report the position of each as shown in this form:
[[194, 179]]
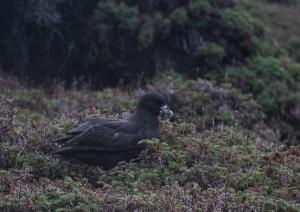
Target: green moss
[[209, 49], [126, 16], [227, 118], [199, 8], [237, 20], [262, 71], [179, 16], [268, 68]]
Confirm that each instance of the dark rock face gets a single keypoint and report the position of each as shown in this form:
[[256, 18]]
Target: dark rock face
[[116, 42]]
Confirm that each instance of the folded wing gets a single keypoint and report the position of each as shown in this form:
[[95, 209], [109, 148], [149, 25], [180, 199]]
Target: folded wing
[[87, 124], [110, 136]]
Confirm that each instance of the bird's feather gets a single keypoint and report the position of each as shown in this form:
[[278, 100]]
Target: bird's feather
[[87, 124], [116, 136], [106, 142]]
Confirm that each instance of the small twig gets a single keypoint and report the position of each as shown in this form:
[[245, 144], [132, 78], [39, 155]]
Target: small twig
[[19, 153], [3, 127]]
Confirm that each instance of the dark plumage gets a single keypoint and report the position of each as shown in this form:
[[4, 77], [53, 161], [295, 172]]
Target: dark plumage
[[106, 142]]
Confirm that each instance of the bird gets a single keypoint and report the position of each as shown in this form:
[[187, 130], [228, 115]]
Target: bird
[[106, 142]]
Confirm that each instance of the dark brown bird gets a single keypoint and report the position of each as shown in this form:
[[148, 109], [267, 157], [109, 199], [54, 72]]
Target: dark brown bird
[[105, 142]]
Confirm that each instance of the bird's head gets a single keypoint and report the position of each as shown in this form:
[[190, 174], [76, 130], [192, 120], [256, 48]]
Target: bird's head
[[156, 104]]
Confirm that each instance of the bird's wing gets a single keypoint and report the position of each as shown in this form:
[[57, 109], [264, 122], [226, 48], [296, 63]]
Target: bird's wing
[[87, 124], [110, 136]]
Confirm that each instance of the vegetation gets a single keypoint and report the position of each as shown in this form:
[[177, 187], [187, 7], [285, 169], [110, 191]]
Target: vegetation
[[112, 42], [218, 154], [231, 69]]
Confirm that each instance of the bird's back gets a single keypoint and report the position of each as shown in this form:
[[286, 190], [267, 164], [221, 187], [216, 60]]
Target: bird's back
[[106, 142]]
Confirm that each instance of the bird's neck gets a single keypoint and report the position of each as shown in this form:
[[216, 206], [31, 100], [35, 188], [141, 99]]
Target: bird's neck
[[144, 117]]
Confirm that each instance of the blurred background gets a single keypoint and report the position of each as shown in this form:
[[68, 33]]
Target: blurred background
[[112, 42], [230, 67], [252, 45]]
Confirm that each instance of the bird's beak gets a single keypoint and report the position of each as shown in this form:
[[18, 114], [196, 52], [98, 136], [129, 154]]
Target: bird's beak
[[166, 112]]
